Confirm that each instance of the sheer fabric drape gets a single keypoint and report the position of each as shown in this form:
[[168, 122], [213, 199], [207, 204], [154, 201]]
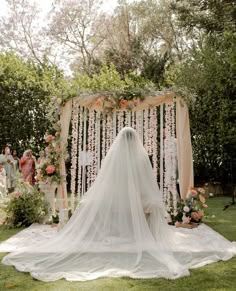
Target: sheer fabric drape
[[118, 229]]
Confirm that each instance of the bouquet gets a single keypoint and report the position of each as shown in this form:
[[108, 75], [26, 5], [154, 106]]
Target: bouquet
[[190, 210], [48, 169], [26, 205]]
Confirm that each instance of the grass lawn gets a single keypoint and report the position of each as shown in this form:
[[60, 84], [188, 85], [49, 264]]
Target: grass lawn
[[217, 276]]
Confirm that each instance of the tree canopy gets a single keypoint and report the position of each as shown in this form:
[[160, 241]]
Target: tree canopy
[[25, 92], [141, 45]]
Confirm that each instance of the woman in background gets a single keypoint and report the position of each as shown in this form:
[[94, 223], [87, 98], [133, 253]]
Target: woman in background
[[16, 161], [27, 164], [8, 164], [3, 181]]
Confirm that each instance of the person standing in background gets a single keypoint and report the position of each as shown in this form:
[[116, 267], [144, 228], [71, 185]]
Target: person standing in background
[[3, 181], [28, 165], [16, 161], [8, 164]]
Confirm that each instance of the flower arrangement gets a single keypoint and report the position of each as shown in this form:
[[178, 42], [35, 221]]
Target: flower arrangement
[[24, 206], [190, 210], [48, 169]]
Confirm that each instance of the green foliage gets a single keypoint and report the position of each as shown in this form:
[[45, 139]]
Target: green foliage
[[48, 169], [154, 68], [213, 16], [206, 78], [25, 206], [108, 80], [190, 210], [25, 93], [209, 76]]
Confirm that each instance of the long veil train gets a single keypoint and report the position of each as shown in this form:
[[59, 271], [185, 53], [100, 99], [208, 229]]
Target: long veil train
[[119, 229]]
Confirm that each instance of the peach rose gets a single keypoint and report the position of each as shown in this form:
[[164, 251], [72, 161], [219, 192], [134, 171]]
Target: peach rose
[[202, 198], [123, 103], [201, 190], [98, 102], [187, 220], [48, 138], [195, 216], [50, 169], [200, 214], [193, 193]]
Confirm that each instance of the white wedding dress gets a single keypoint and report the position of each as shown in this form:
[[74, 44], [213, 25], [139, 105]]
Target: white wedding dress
[[119, 229]]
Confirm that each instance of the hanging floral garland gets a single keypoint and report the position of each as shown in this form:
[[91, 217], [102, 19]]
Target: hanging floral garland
[[153, 138], [74, 148], [80, 142], [104, 136], [170, 192], [91, 122], [120, 120], [139, 124], [133, 118], [94, 149]]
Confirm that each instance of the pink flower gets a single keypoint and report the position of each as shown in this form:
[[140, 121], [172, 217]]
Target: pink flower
[[202, 198], [187, 220], [201, 190], [195, 216], [50, 169], [193, 193], [47, 149], [48, 138], [123, 103], [200, 214], [204, 205], [98, 102]]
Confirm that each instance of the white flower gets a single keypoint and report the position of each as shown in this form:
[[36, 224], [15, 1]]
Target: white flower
[[186, 209], [211, 194], [213, 216]]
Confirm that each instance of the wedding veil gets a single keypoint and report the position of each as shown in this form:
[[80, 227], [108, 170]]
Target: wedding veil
[[118, 229]]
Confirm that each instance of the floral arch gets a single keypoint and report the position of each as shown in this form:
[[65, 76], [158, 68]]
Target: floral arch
[[96, 120]]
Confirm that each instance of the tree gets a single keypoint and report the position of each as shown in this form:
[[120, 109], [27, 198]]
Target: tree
[[212, 16], [79, 27], [143, 37], [22, 32], [25, 92], [208, 76]]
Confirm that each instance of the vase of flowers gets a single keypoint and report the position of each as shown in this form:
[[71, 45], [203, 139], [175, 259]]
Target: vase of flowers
[[49, 190], [190, 210], [48, 170], [24, 206]]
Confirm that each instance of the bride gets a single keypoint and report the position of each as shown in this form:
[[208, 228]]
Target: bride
[[119, 229]]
